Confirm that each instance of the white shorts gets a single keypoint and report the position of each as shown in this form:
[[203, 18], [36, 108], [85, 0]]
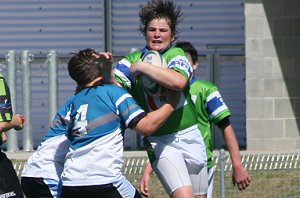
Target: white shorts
[[179, 159]]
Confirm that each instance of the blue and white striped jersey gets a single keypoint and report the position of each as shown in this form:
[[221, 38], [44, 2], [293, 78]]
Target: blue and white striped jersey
[[98, 115]]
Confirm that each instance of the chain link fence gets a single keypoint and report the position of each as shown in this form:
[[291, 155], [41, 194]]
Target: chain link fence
[[274, 175]]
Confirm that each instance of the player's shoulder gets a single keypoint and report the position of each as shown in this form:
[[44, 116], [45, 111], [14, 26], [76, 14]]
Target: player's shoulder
[[172, 52], [113, 89], [176, 50], [134, 56], [203, 85], [70, 98]]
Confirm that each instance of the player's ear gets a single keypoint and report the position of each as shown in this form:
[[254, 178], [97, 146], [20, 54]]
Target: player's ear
[[172, 38], [195, 65]]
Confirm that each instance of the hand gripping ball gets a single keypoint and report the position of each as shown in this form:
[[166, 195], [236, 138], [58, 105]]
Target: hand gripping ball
[[150, 86]]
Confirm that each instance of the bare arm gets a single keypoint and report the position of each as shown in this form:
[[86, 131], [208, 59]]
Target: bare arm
[[240, 175], [145, 179], [15, 123], [155, 119], [168, 78]]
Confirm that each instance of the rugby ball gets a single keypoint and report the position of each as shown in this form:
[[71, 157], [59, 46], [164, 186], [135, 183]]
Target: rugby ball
[[149, 85]]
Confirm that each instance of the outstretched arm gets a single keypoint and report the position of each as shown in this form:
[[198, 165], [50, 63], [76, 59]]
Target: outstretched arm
[[240, 175], [155, 119]]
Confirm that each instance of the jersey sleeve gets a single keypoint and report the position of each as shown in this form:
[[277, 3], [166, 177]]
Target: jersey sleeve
[[122, 74], [177, 61], [215, 105], [5, 101], [122, 69], [129, 110]]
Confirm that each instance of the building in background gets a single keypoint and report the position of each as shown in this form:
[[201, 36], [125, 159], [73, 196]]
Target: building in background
[[272, 74], [262, 92]]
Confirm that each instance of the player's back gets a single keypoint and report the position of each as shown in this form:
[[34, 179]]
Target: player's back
[[95, 112], [96, 137]]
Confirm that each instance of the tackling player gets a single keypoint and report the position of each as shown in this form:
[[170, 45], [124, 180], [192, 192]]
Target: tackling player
[[41, 177]]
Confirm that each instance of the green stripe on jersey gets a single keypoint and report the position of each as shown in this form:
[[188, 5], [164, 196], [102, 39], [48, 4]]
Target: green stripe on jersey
[[2, 87]]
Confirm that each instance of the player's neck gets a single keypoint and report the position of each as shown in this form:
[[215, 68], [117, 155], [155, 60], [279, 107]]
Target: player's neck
[[95, 82]]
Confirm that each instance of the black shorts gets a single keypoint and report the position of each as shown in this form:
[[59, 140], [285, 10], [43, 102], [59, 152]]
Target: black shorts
[[9, 181], [35, 187], [96, 191]]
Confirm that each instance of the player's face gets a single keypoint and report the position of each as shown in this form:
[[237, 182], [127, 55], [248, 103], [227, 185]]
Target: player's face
[[159, 35]]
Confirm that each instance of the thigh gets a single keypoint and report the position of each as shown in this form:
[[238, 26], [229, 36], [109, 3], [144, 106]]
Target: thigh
[[35, 187], [172, 173], [200, 181]]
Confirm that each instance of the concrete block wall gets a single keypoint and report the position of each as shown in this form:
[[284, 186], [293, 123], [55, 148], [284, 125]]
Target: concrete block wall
[[272, 33]]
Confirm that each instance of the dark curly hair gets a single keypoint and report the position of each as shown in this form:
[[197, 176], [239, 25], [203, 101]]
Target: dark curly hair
[[85, 66], [164, 9]]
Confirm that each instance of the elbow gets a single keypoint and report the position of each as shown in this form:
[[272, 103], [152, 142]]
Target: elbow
[[146, 130], [180, 83]]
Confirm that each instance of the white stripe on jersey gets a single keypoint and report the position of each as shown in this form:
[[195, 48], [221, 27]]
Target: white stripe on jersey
[[220, 105], [122, 98], [182, 63], [218, 110], [123, 77], [213, 95], [133, 115]]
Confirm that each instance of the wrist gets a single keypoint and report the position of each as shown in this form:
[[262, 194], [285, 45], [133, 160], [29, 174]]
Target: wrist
[[237, 165]]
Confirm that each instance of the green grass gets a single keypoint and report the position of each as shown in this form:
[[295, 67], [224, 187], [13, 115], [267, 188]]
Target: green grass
[[265, 184], [268, 181]]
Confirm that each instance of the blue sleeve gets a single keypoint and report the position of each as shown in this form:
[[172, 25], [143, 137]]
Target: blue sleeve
[[129, 110]]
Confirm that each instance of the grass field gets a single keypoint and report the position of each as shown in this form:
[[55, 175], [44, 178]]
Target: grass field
[[265, 184], [273, 175]]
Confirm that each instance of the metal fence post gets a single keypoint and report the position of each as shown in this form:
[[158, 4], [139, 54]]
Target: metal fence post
[[12, 143], [222, 173], [26, 58], [107, 26], [52, 83], [214, 68]]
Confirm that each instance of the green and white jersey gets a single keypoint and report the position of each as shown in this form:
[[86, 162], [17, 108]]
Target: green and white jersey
[[185, 114], [210, 109]]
